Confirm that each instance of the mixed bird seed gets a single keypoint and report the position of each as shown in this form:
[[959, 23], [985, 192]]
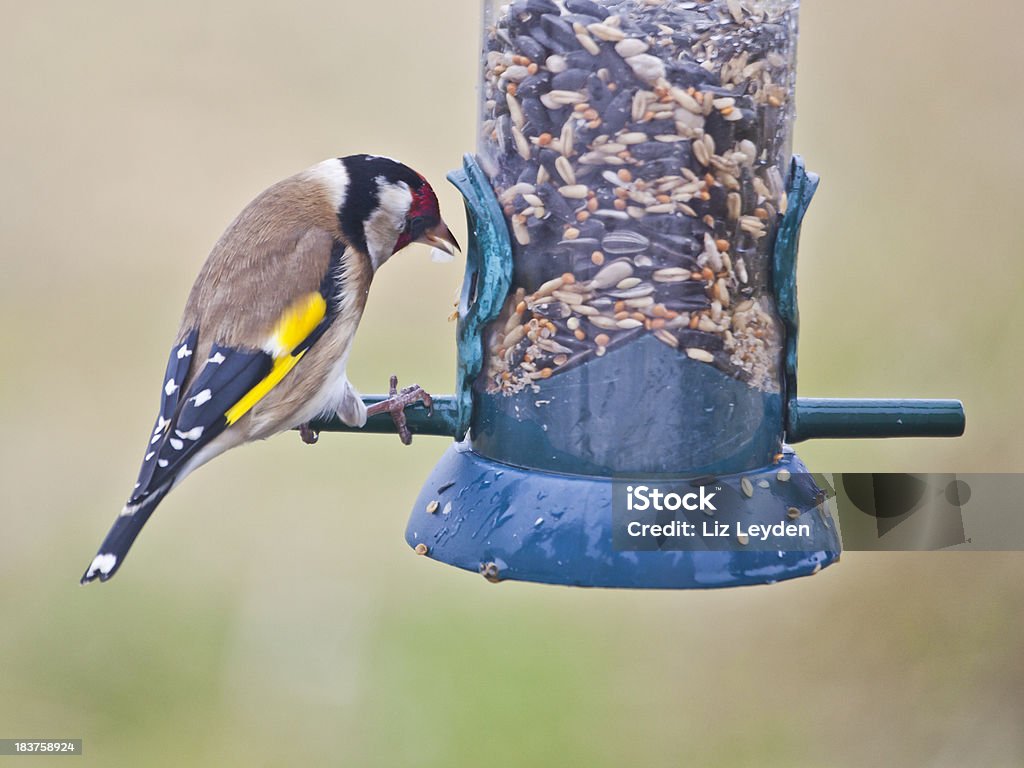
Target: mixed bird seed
[[638, 148]]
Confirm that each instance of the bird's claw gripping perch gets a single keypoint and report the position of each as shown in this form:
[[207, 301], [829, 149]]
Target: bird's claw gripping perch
[[396, 404]]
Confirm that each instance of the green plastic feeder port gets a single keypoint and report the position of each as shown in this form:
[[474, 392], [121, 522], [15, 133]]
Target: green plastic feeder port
[[629, 306]]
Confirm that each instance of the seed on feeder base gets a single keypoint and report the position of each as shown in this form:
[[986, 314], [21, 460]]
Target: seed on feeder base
[[747, 487], [792, 513], [491, 572], [783, 475], [432, 507], [701, 355], [421, 549]]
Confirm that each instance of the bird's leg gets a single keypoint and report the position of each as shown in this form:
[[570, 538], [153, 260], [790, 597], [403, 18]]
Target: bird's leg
[[308, 434], [396, 404]]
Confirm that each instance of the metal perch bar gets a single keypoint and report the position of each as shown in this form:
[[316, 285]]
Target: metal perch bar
[[815, 418], [444, 422], [836, 418]]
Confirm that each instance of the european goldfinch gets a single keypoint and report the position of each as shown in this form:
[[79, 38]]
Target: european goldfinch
[[267, 328]]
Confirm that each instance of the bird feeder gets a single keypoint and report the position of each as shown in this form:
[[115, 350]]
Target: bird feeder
[[629, 305]]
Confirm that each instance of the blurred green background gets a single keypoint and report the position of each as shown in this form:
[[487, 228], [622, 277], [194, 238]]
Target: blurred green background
[[272, 613]]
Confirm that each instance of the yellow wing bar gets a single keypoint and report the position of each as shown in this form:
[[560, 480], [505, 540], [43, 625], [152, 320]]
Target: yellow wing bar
[[295, 325]]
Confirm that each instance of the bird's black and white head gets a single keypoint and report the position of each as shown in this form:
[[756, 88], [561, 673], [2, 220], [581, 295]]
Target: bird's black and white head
[[383, 205]]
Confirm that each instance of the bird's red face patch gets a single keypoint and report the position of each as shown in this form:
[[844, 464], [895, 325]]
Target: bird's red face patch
[[424, 215]]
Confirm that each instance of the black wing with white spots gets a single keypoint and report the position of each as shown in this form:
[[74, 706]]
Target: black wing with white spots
[[200, 415], [187, 422], [178, 366]]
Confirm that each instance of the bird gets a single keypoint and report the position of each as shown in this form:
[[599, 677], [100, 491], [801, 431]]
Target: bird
[[265, 335]]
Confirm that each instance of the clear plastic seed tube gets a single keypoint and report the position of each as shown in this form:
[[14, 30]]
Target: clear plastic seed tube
[[639, 149]]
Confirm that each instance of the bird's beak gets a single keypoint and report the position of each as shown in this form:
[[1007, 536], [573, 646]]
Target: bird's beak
[[441, 237]]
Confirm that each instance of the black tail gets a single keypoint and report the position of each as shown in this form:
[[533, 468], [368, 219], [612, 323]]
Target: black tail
[[121, 537]]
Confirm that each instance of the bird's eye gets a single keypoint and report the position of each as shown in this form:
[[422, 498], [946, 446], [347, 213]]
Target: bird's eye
[[416, 225]]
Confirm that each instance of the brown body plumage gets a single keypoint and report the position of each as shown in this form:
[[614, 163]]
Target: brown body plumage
[[277, 250]]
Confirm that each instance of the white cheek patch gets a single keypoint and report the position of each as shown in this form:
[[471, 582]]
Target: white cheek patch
[[388, 219]]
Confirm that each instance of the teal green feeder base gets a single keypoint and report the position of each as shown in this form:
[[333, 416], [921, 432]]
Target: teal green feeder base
[[508, 523]]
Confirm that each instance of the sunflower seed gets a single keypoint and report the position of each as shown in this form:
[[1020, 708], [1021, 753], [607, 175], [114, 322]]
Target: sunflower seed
[[630, 47], [700, 151], [515, 112], [605, 323], [637, 292], [548, 288], [564, 168], [611, 274], [700, 355], [514, 337], [624, 241], [521, 232], [671, 275], [568, 298], [522, 145], [512, 192], [516, 73], [555, 64], [648, 68], [574, 191], [606, 32], [667, 338]]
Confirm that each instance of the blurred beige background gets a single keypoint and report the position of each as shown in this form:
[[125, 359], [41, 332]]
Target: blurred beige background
[[272, 614]]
